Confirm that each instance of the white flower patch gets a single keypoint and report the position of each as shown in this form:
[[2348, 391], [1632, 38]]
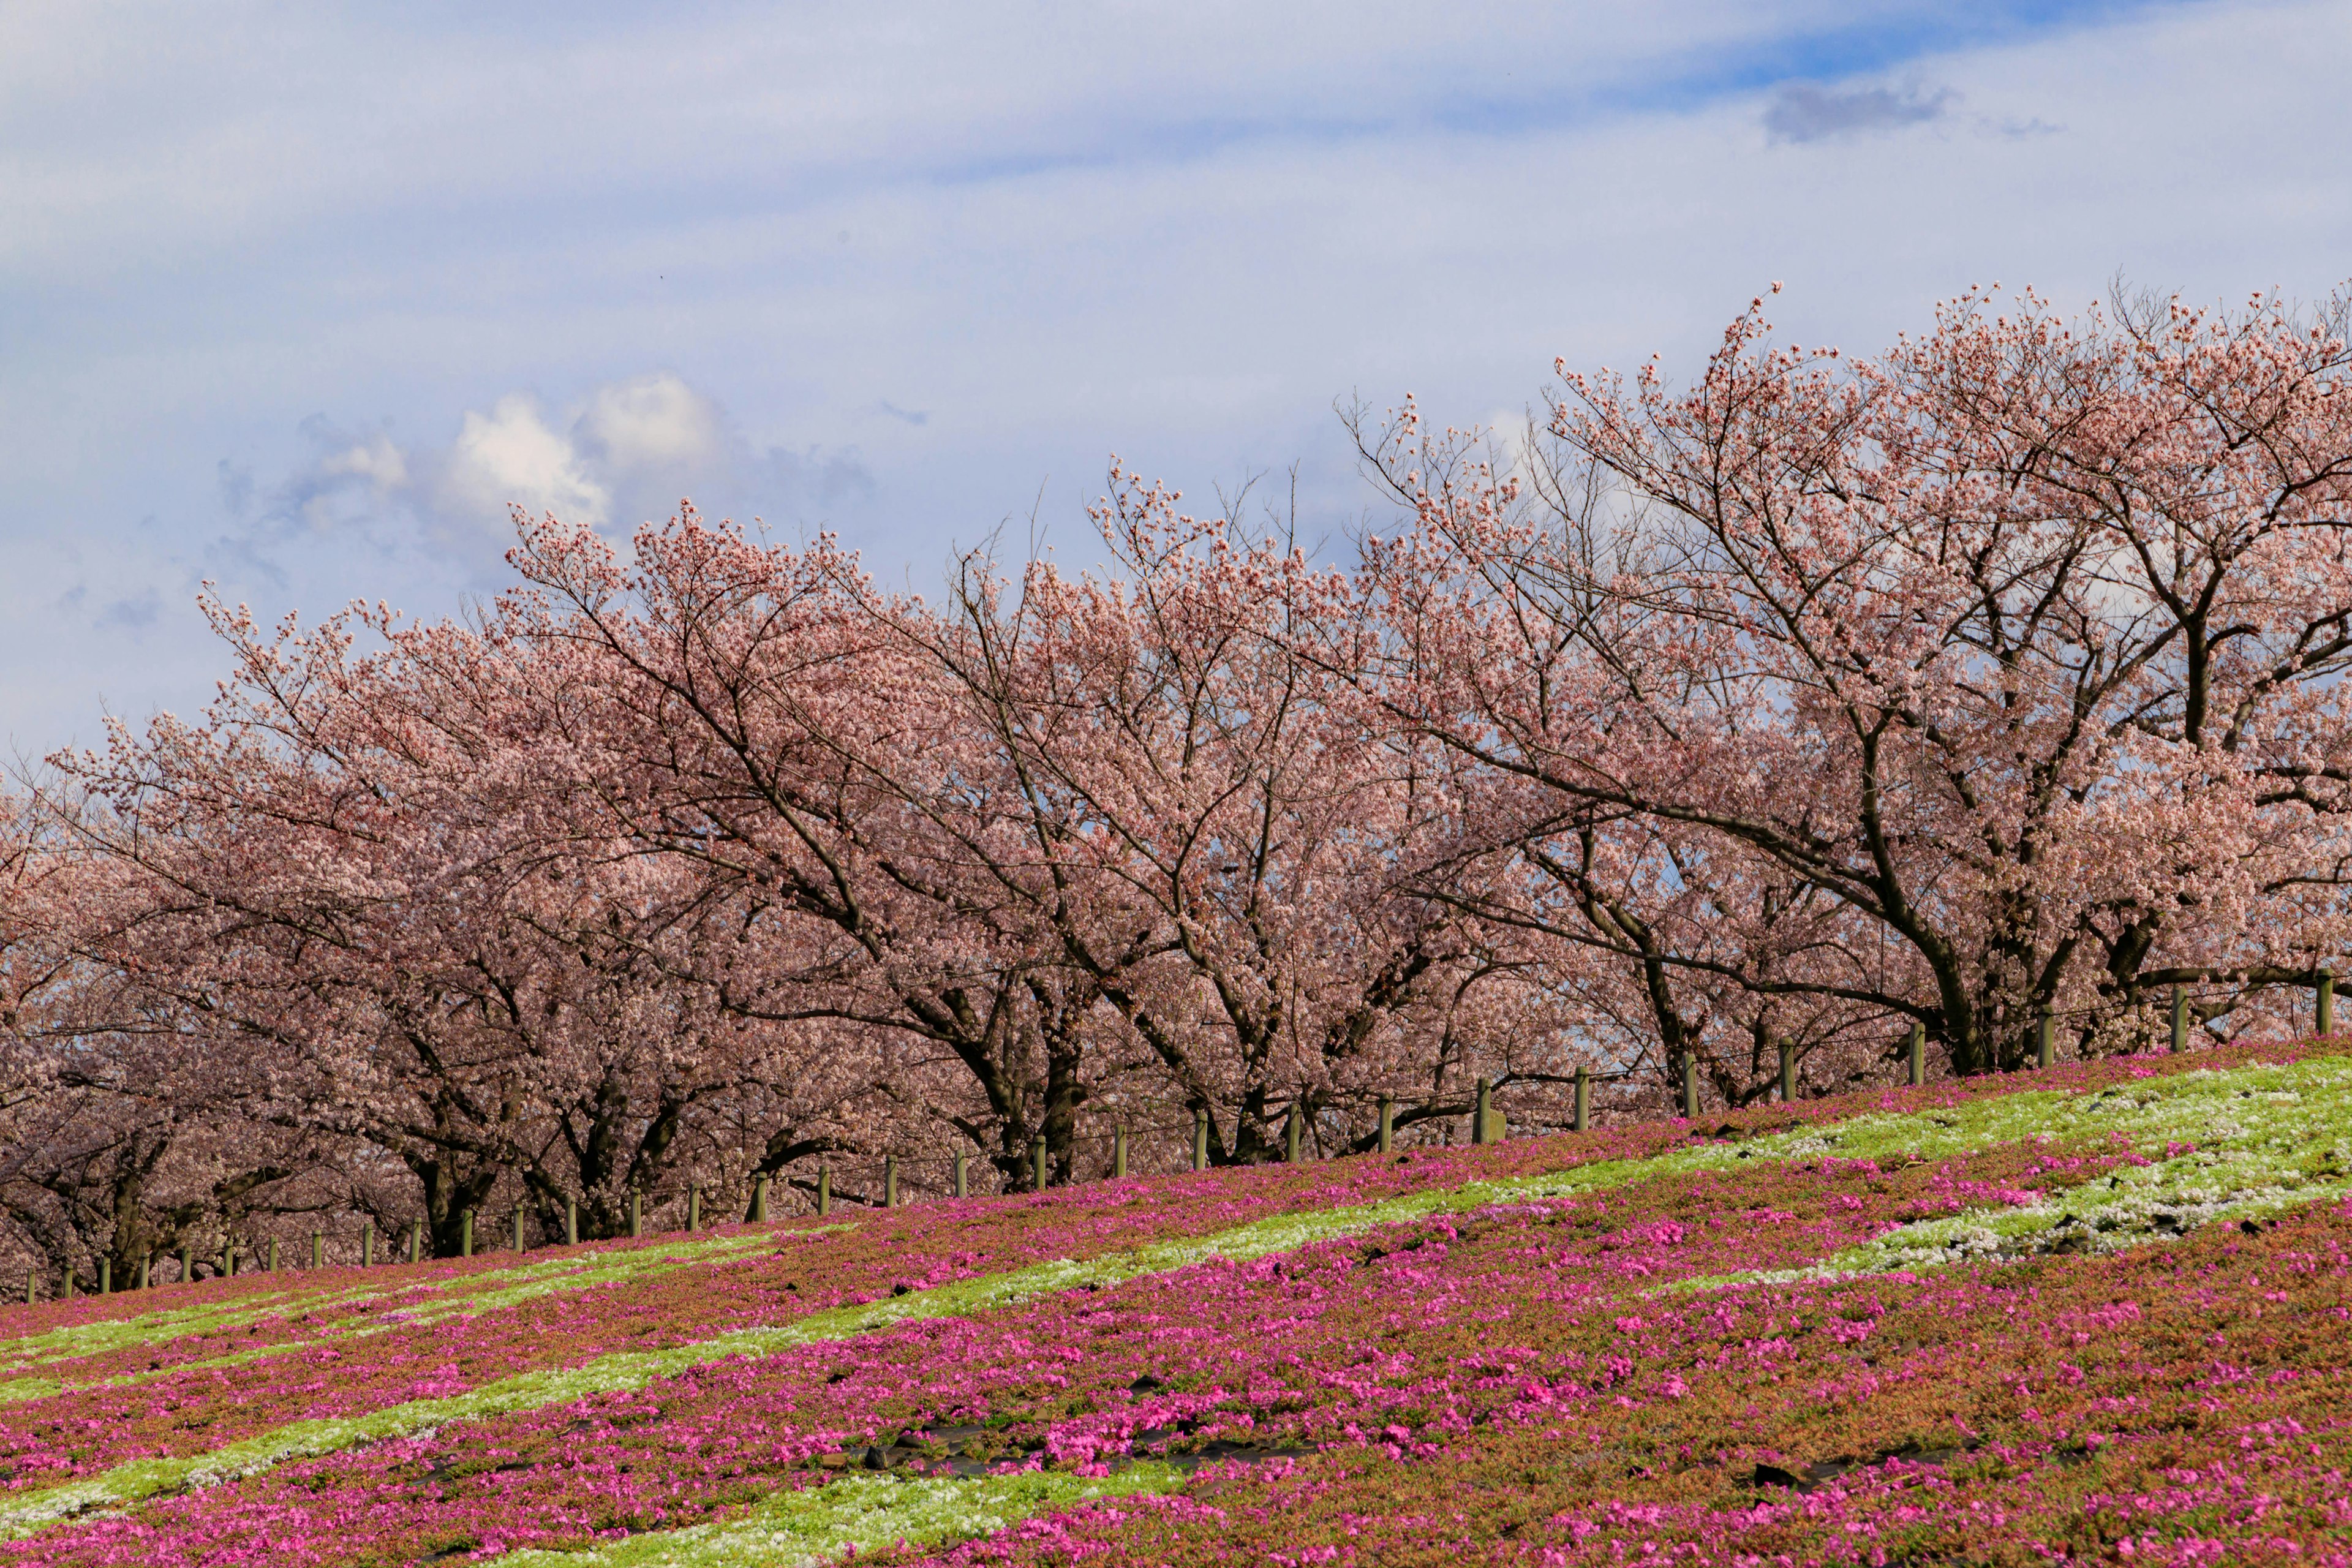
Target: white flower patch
[[2207, 1161], [857, 1515]]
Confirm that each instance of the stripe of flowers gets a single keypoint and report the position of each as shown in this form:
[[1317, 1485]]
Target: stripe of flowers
[[269, 1298], [208, 1405], [2303, 1435], [2261, 1491], [2078, 1456], [347, 1298], [2184, 1403], [132, 1486], [83, 1431], [1882, 1129], [1214, 1203], [429, 1388], [265, 1310], [1290, 1346], [342, 1324]]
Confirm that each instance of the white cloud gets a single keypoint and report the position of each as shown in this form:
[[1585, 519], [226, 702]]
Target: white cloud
[[509, 457], [651, 422], [624, 451]]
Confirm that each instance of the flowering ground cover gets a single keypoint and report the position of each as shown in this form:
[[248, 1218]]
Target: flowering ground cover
[[264, 1314], [91, 1340], [2095, 1312], [214, 1373]]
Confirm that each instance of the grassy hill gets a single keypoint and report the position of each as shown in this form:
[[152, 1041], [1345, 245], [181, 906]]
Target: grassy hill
[[2100, 1312]]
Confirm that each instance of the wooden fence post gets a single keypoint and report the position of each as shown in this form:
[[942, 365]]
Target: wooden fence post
[[572, 1221], [517, 1229], [1037, 1160], [823, 1190], [1199, 1140], [187, 1263], [693, 1210], [759, 1200], [1917, 1052], [272, 1265], [962, 1182], [106, 1275], [636, 1214], [367, 1247], [318, 1250], [146, 1270], [1387, 1124], [889, 1180], [2180, 1020], [2323, 1008], [1583, 1097], [1117, 1152], [415, 1241], [2044, 1028], [1690, 1088], [1290, 1133], [466, 1233]]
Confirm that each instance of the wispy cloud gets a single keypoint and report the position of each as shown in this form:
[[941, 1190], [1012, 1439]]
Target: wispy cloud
[[135, 613], [824, 478], [1805, 111], [688, 252]]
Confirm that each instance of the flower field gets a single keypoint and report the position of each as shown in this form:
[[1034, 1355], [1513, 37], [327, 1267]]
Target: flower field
[[2098, 1313]]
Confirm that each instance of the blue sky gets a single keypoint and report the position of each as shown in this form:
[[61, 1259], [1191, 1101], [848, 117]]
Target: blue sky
[[295, 299]]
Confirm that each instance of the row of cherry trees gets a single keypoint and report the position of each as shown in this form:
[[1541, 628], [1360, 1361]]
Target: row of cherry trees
[[1994, 678]]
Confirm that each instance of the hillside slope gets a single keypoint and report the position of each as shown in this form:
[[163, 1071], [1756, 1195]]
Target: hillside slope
[[2100, 1312]]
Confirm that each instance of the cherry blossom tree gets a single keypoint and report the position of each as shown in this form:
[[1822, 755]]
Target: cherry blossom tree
[[378, 875], [2018, 645], [814, 766], [119, 1137], [1227, 831]]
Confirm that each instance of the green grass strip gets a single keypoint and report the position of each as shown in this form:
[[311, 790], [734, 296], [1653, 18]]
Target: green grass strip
[[464, 1295], [856, 1516], [2200, 1106], [2265, 1139], [174, 1321]]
